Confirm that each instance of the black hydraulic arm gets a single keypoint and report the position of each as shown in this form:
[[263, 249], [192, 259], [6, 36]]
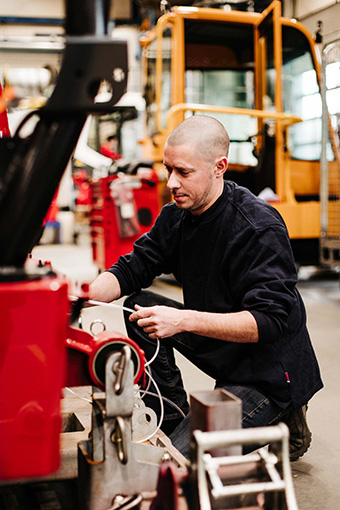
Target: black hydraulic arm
[[31, 167]]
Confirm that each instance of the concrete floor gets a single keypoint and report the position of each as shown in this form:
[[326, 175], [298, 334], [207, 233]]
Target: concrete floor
[[317, 474]]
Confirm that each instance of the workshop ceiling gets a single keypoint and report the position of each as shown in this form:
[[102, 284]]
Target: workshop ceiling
[[135, 10]]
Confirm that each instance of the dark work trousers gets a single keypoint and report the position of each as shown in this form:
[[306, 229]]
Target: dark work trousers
[[257, 409]]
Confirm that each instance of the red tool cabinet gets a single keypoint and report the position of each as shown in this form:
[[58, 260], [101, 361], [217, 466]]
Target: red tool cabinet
[[123, 208]]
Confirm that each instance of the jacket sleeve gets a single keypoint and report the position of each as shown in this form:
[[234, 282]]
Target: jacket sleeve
[[265, 280], [152, 255]]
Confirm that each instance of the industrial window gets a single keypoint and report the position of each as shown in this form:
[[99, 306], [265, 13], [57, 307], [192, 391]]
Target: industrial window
[[301, 96]]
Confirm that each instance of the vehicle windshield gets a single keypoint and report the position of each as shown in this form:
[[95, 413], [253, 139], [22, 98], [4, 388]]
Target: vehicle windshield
[[219, 71], [301, 96]]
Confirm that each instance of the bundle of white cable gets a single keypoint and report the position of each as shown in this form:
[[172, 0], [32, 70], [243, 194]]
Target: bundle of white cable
[[147, 363]]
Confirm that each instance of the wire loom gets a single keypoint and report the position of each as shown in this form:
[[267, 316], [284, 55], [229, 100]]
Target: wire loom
[[148, 373]]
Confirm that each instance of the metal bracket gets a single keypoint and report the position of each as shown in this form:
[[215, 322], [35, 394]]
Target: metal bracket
[[119, 369], [101, 59], [110, 463]]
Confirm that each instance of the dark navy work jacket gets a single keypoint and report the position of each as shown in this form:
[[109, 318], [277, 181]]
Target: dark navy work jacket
[[235, 256]]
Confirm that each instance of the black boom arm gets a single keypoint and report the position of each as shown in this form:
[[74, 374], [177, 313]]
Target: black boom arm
[[31, 168]]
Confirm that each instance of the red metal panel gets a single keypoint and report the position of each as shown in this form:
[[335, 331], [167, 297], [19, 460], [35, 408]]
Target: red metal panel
[[4, 128], [32, 362]]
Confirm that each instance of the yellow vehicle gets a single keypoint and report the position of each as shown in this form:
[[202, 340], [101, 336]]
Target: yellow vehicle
[[258, 73]]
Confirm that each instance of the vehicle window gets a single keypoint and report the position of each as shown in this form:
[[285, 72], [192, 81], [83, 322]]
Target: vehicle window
[[301, 96], [219, 72], [150, 86]]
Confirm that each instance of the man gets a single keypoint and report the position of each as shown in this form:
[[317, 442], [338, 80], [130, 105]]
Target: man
[[243, 321]]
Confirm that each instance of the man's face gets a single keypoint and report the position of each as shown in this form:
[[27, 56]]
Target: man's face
[[192, 180]]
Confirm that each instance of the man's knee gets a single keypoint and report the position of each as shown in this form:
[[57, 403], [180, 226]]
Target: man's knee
[[144, 298], [148, 298], [130, 301]]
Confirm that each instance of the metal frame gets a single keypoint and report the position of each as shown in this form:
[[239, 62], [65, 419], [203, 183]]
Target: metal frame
[[223, 480]]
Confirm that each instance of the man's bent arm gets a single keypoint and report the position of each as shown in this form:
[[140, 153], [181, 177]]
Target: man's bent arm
[[105, 288], [231, 327]]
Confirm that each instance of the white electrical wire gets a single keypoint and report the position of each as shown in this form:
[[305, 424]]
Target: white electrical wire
[[160, 421], [146, 389], [102, 303], [147, 363], [142, 392], [125, 308], [146, 392], [77, 395], [151, 379]]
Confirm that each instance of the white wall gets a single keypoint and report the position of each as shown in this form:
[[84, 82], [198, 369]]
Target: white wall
[[309, 12], [301, 8], [32, 8], [120, 9]]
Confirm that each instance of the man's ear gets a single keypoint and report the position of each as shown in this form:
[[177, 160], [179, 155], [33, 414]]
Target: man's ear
[[221, 166]]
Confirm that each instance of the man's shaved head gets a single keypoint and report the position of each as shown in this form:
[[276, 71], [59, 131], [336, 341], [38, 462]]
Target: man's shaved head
[[195, 156], [207, 134]]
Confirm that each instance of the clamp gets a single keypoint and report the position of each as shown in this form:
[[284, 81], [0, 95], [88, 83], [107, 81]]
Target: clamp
[[110, 464]]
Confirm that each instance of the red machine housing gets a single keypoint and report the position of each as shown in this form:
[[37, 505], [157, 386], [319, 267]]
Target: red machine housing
[[87, 355], [32, 371], [108, 242]]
